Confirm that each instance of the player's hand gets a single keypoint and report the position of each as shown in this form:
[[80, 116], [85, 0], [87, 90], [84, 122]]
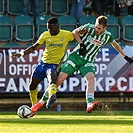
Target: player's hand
[[82, 31], [128, 59], [82, 49], [18, 54]]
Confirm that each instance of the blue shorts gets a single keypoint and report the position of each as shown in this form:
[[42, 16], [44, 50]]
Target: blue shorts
[[42, 69]]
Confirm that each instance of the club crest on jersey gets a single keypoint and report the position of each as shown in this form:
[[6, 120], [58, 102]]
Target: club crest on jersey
[[61, 39], [49, 39]]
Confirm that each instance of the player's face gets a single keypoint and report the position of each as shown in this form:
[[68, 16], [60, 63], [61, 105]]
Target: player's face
[[53, 29], [99, 29]]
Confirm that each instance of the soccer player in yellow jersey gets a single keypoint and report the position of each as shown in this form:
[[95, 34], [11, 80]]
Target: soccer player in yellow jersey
[[56, 43]]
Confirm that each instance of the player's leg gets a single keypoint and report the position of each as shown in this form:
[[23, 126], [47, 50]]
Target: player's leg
[[41, 71], [88, 72], [52, 89], [41, 102], [89, 77], [66, 70], [33, 89], [62, 76], [52, 78], [90, 92], [52, 96], [37, 76]]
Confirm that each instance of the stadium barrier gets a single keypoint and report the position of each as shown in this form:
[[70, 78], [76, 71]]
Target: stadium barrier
[[114, 81]]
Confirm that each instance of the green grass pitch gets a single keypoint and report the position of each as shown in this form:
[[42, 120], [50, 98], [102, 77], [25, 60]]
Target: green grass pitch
[[68, 122]]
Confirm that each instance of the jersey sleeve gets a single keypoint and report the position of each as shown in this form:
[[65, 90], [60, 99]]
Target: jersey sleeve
[[84, 26], [87, 25], [41, 39], [70, 35], [111, 39]]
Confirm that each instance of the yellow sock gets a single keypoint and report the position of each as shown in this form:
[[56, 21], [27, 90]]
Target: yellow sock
[[33, 96], [52, 89]]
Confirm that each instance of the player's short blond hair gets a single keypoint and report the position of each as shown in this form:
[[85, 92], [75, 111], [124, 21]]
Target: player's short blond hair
[[102, 20]]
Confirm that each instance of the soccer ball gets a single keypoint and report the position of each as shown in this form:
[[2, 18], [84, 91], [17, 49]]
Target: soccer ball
[[24, 111]]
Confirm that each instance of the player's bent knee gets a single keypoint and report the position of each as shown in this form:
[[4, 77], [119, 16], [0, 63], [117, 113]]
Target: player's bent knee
[[32, 87]]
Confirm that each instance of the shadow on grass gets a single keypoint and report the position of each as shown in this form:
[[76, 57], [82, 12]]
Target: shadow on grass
[[78, 113], [46, 121], [64, 121]]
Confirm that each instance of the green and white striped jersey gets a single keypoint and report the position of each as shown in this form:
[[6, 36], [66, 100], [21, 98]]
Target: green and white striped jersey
[[93, 42]]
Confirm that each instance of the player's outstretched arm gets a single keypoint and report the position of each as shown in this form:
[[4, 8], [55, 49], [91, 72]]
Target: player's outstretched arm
[[29, 50], [119, 49], [17, 54]]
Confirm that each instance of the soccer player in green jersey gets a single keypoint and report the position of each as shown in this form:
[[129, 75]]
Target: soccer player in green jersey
[[90, 39], [56, 43]]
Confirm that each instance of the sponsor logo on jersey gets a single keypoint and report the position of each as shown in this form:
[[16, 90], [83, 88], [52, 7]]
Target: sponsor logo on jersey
[[97, 42], [56, 45], [94, 41]]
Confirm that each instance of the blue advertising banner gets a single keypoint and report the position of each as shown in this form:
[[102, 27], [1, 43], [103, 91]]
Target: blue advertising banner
[[113, 73]]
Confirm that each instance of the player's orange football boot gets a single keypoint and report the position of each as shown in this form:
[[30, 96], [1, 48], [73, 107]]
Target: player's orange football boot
[[35, 107], [92, 106]]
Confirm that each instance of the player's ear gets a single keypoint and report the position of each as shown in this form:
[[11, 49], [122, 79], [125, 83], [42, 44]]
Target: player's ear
[[105, 27]]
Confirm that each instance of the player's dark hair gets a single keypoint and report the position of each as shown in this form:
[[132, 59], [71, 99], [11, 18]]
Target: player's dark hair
[[52, 20], [102, 20]]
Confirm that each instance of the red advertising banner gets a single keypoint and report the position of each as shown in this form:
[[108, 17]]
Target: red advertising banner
[[113, 73]]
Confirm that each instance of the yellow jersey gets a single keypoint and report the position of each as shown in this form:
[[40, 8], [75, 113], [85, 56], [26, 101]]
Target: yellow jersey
[[55, 46]]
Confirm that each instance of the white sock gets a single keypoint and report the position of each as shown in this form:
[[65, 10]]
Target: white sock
[[89, 97], [41, 101]]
